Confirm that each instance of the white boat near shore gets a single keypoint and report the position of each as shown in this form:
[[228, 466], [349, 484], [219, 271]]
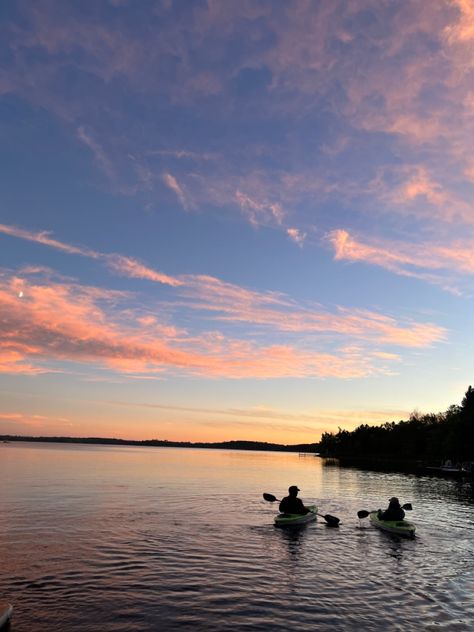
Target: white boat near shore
[[450, 470]]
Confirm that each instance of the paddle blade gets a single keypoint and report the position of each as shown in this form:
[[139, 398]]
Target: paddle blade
[[362, 514], [407, 506], [332, 521], [270, 497]]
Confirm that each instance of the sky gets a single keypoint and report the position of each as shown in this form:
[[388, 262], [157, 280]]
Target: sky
[[224, 220]]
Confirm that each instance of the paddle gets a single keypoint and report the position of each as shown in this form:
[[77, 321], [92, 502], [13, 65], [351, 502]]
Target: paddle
[[363, 514], [332, 521]]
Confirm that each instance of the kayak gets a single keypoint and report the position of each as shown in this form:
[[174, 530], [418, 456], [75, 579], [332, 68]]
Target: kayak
[[5, 613], [400, 527], [289, 520]]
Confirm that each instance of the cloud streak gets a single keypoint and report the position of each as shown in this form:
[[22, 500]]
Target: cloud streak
[[129, 267], [43, 237], [126, 266], [172, 183], [434, 263]]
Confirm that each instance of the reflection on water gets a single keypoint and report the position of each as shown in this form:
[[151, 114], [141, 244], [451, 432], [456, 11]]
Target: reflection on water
[[128, 539], [293, 538]]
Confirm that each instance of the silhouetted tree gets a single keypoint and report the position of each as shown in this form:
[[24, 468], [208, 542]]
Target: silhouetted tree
[[467, 404], [430, 436]]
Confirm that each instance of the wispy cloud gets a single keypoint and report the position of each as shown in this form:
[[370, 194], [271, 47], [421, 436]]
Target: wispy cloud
[[126, 266], [267, 417], [14, 361], [296, 235], [43, 237], [412, 191], [182, 154], [129, 267], [421, 185], [30, 419], [257, 412], [230, 303], [448, 261], [173, 184], [97, 150], [259, 212]]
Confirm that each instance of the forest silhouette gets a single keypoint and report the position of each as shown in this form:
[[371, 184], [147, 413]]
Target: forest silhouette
[[423, 437]]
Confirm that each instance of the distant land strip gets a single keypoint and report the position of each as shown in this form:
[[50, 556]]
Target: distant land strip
[[229, 445]]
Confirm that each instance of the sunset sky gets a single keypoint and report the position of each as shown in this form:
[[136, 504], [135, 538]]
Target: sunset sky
[[227, 219]]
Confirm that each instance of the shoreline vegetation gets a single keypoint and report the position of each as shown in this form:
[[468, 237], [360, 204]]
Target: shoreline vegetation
[[308, 448], [437, 442]]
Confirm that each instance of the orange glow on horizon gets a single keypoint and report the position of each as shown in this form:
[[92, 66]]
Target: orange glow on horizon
[[197, 426]]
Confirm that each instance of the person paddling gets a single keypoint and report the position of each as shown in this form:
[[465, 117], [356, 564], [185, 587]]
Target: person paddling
[[291, 504], [393, 512]]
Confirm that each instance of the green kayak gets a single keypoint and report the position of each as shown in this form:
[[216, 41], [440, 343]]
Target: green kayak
[[289, 520], [400, 527]]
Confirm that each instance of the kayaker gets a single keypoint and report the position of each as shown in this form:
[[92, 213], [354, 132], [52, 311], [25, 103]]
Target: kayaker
[[291, 504], [393, 512]]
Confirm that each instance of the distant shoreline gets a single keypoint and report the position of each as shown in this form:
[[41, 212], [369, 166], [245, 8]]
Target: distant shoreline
[[311, 448]]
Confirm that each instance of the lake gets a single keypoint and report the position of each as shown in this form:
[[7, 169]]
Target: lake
[[126, 539]]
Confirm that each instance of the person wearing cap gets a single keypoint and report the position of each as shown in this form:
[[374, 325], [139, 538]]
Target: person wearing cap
[[291, 504], [393, 512]]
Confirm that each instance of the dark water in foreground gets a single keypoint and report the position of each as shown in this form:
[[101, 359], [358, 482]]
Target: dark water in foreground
[[125, 539]]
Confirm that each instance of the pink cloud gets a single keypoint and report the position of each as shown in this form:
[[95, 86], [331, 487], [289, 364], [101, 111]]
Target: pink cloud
[[462, 30], [13, 361], [296, 235], [98, 152], [172, 183], [129, 267], [421, 185], [259, 212], [25, 418], [59, 322], [413, 191], [43, 237], [455, 258], [126, 266], [278, 312], [182, 153], [350, 249], [21, 423]]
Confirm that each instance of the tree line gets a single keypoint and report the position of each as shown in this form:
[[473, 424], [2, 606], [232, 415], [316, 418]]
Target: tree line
[[163, 443], [426, 437]]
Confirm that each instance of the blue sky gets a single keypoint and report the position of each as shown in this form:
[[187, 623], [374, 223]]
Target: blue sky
[[234, 220]]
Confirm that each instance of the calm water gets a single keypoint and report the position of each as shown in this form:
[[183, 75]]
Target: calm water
[[127, 539]]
